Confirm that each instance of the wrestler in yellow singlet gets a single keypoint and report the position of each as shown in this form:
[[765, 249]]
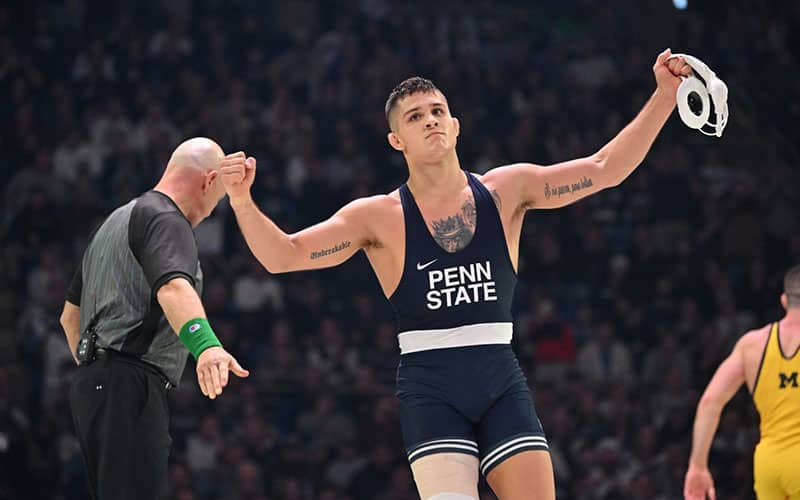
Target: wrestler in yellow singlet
[[767, 360], [776, 462]]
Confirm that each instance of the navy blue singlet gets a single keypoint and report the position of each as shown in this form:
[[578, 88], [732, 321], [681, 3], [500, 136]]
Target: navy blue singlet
[[459, 385], [454, 299]]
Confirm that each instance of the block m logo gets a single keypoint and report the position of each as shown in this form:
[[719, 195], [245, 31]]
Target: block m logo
[[788, 379]]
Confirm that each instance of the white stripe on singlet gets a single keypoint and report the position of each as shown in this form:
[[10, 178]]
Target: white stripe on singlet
[[460, 444], [460, 336]]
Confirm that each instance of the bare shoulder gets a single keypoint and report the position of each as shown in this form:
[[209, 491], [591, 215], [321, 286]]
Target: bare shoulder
[[506, 181], [754, 340], [393, 197], [380, 202], [387, 206], [374, 211], [509, 179], [504, 174]]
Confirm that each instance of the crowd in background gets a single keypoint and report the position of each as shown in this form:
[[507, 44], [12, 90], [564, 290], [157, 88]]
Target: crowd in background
[[626, 302]]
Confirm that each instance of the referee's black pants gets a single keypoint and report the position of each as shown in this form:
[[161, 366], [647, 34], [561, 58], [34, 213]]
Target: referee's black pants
[[120, 412]]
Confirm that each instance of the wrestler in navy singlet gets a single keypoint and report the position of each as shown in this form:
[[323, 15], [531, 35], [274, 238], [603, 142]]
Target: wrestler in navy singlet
[[459, 384]]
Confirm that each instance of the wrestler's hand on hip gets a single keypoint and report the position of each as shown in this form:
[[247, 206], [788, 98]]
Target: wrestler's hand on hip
[[213, 367], [238, 172], [668, 72]]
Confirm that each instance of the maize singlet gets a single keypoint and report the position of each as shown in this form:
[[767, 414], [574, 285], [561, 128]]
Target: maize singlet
[[776, 394]]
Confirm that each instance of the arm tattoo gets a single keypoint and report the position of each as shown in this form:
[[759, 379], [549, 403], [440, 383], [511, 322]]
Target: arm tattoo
[[455, 232], [328, 251], [557, 191]]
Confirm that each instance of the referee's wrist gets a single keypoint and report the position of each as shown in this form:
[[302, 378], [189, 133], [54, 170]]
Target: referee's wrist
[[197, 336]]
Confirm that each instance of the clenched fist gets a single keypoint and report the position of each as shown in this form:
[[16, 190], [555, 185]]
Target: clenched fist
[[668, 72], [238, 173]]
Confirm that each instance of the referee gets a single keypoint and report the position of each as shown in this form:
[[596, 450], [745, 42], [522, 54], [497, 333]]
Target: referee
[[135, 288]]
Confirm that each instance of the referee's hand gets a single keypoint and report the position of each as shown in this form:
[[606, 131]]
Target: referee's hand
[[213, 367]]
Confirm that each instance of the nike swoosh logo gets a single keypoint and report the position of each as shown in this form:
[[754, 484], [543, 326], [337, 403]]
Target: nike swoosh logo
[[420, 267]]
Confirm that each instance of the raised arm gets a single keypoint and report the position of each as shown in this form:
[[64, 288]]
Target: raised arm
[[726, 381], [534, 186], [326, 244]]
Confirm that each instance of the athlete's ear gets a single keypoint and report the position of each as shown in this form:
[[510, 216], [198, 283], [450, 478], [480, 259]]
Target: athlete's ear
[[395, 141], [784, 301], [456, 125]]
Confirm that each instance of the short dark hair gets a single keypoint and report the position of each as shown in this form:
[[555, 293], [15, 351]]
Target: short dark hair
[[407, 87], [791, 286]]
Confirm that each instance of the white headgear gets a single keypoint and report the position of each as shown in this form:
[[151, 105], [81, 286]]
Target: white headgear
[[693, 98]]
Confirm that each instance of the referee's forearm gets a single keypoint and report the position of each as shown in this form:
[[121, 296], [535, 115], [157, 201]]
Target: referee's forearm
[[180, 302], [71, 323]]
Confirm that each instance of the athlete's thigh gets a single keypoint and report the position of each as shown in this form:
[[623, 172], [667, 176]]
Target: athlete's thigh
[[440, 444], [766, 488], [766, 474], [790, 473], [524, 476], [430, 425], [514, 454], [446, 476], [509, 427]]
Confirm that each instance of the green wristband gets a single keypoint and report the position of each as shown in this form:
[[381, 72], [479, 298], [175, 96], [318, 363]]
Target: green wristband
[[198, 336]]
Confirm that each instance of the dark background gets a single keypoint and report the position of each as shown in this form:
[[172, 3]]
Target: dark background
[[627, 300]]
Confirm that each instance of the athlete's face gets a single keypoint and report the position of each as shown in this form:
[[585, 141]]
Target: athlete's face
[[422, 127]]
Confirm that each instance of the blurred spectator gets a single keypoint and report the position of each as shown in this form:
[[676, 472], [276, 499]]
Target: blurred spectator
[[346, 465], [373, 478], [325, 426], [604, 359], [553, 342], [202, 449], [626, 301], [666, 358]]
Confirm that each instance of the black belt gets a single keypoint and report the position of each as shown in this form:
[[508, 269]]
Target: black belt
[[102, 352]]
